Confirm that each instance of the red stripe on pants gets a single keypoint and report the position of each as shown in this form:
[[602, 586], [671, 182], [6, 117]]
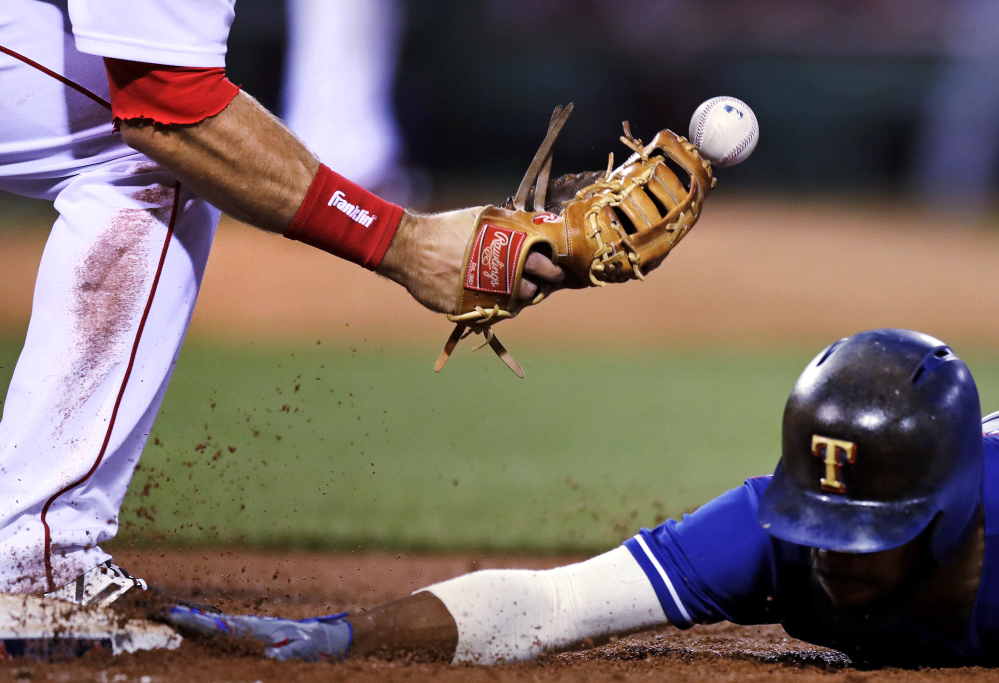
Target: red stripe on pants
[[117, 403]]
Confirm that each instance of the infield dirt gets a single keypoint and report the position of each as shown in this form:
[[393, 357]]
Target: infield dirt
[[298, 585]]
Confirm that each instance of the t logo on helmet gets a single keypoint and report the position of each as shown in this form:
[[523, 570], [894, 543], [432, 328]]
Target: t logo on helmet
[[835, 454]]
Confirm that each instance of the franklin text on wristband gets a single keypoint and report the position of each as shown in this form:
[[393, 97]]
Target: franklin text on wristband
[[346, 220]]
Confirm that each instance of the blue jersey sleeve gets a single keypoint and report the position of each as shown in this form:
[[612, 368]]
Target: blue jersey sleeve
[[717, 564]]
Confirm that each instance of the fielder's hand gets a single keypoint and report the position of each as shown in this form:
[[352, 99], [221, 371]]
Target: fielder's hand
[[427, 253]]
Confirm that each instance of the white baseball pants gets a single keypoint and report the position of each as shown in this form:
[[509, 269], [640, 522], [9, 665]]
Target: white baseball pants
[[115, 292]]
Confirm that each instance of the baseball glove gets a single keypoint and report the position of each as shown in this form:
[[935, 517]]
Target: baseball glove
[[602, 227]]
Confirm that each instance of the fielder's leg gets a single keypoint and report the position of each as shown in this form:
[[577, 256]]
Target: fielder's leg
[[115, 291]]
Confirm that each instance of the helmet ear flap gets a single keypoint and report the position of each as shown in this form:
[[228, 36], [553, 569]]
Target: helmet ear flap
[[956, 521], [959, 498]]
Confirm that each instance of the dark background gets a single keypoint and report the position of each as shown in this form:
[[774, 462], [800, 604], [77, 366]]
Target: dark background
[[839, 87]]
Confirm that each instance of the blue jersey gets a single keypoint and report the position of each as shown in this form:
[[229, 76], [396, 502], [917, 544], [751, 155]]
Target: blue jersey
[[718, 564]]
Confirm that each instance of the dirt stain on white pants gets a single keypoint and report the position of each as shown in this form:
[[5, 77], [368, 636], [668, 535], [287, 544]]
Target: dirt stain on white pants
[[111, 286]]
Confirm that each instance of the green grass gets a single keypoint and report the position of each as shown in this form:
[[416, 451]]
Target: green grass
[[584, 452]]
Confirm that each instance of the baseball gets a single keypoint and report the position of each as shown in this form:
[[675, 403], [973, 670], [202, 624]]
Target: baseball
[[725, 130]]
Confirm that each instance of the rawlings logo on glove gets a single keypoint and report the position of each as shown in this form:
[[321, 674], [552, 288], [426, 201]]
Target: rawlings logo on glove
[[489, 266]]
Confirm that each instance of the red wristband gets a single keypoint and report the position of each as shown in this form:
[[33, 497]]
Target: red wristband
[[346, 220], [166, 94]]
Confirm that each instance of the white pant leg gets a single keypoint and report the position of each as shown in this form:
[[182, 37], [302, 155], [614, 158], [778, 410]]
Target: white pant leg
[[92, 373], [337, 93]]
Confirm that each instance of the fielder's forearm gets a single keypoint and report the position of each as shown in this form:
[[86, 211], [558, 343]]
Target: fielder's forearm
[[248, 164], [243, 160]]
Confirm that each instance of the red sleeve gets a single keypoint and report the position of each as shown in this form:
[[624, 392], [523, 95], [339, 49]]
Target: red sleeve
[[167, 94]]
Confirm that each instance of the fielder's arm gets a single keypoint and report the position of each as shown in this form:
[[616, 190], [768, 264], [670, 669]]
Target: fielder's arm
[[248, 164], [243, 160]]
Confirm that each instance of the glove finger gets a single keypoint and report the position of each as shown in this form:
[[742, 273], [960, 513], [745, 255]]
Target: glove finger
[[539, 271], [541, 266], [527, 289]]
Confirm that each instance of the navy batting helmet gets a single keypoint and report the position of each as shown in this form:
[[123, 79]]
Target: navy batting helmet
[[882, 437]]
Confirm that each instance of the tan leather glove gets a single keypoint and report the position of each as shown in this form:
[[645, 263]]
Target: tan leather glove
[[618, 226]]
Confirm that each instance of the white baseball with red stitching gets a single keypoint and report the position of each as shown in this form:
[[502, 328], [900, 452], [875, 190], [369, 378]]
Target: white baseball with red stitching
[[725, 130]]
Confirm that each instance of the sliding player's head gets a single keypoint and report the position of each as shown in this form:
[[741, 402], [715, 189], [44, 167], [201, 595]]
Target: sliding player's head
[[881, 441]]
